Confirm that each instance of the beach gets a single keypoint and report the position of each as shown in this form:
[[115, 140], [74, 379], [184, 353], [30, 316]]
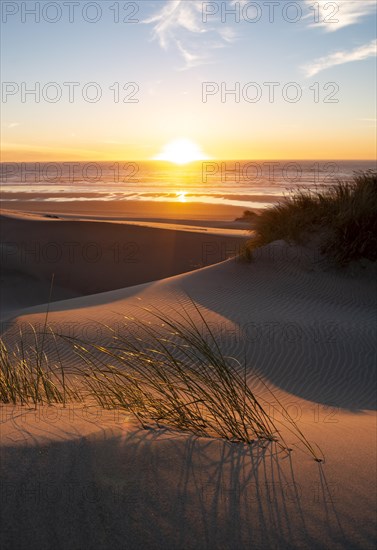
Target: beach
[[188, 267], [94, 478], [89, 249]]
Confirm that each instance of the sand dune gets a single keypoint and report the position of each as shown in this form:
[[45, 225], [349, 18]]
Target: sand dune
[[112, 485], [88, 257], [105, 483], [95, 482]]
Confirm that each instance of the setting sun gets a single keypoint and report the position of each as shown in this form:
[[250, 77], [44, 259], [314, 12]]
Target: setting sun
[[181, 151], [181, 196]]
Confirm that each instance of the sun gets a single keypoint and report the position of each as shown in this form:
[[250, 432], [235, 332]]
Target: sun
[[181, 196], [181, 151]]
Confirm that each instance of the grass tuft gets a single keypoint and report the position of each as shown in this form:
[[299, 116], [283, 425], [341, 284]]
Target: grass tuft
[[176, 375], [342, 216], [27, 375], [171, 374]]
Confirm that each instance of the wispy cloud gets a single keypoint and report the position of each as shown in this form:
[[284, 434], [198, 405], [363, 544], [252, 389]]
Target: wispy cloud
[[342, 13], [178, 24], [341, 57]]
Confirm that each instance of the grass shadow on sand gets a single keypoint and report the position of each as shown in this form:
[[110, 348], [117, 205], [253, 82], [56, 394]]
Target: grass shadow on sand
[[157, 489]]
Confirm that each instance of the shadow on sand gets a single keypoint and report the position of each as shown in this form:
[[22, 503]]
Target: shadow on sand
[[155, 489]]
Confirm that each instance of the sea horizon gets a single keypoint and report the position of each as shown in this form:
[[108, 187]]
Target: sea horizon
[[242, 183]]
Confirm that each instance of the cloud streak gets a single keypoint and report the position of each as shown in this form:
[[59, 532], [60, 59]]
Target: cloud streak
[[178, 24], [342, 13], [340, 58]]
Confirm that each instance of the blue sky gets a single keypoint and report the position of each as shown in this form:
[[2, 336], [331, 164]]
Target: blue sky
[[169, 53]]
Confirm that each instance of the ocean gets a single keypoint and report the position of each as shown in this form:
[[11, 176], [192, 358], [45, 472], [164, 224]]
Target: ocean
[[237, 183]]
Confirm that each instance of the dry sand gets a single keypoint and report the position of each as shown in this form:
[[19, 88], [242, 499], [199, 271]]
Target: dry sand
[[81, 478], [90, 256]]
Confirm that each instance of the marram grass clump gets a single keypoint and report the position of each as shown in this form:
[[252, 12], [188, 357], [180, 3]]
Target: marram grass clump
[[28, 376], [172, 373], [175, 376], [343, 218]]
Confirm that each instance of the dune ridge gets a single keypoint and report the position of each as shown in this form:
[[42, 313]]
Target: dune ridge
[[305, 328]]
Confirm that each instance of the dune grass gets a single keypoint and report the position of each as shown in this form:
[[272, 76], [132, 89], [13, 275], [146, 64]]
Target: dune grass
[[173, 374], [343, 217], [168, 374], [28, 376], [27, 373]]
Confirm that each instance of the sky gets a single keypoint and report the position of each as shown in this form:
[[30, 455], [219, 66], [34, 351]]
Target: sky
[[122, 80]]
